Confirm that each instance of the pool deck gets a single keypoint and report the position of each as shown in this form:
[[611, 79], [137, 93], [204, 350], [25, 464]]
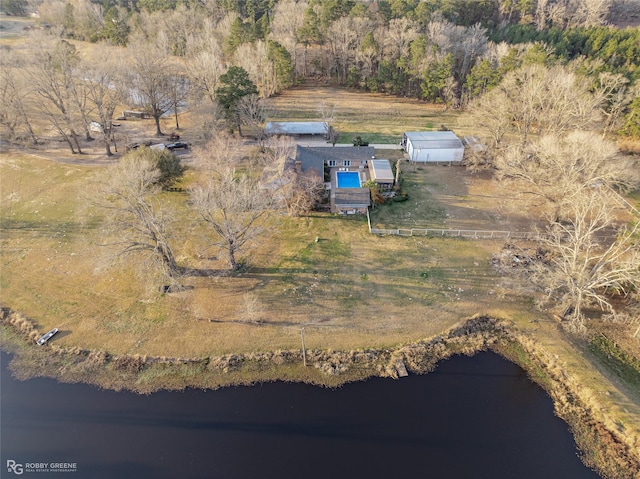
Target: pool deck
[[364, 175], [349, 200]]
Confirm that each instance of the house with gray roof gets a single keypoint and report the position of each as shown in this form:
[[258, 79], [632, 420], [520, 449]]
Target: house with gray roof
[[348, 156], [327, 164]]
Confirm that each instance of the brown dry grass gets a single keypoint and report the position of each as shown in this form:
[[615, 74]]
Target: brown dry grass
[[376, 118], [14, 29], [349, 289]]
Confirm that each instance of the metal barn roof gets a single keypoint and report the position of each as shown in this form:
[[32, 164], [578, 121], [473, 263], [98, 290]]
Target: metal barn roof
[[437, 144], [430, 135], [296, 128], [381, 171]]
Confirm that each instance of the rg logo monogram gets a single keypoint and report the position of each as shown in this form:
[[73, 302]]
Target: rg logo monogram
[[14, 467]]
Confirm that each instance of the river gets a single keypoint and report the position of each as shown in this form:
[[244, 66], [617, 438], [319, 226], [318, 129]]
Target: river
[[477, 417]]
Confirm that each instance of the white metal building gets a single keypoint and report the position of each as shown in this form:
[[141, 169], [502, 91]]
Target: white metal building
[[297, 128], [433, 146]]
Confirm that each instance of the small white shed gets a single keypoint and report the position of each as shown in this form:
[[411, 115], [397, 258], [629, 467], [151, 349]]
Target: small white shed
[[433, 146], [381, 172]]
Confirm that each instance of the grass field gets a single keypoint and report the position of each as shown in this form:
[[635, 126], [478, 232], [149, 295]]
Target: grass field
[[376, 118], [349, 289]]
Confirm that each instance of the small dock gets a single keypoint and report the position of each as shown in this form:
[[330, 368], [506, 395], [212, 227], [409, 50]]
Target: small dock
[[400, 368]]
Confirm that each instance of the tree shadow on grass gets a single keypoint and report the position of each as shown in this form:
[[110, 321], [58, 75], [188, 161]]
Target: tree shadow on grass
[[205, 272]]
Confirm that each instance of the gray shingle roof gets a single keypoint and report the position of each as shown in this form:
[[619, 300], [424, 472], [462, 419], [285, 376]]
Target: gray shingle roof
[[353, 153], [352, 197]]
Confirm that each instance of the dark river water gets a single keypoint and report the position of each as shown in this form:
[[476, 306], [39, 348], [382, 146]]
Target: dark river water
[[474, 418]]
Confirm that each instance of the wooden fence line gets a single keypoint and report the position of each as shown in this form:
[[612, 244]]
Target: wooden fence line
[[457, 233], [625, 204]]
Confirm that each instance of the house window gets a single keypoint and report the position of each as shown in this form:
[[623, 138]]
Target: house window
[[346, 162], [332, 162]]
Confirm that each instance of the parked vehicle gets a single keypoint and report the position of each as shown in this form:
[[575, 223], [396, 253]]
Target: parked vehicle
[[135, 146], [177, 145]]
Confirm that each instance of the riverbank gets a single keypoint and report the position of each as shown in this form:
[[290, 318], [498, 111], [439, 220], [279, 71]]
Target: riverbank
[[606, 444]]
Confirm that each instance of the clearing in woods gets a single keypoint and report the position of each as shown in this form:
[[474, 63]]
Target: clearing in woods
[[375, 117], [349, 288]]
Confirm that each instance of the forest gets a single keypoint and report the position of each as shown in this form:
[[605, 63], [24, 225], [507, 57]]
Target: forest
[[441, 51]]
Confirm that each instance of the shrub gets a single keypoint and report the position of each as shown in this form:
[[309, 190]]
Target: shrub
[[130, 364]]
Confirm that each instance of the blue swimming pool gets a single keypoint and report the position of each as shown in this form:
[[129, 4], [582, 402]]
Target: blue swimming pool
[[348, 179]]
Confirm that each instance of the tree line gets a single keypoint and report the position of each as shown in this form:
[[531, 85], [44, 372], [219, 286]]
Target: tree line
[[443, 51], [55, 87]]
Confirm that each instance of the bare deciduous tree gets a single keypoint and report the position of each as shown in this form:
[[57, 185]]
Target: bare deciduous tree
[[328, 114], [536, 100], [276, 151], [220, 152], [130, 193], [559, 170], [300, 194], [287, 19], [293, 190], [590, 13], [236, 208], [254, 58], [493, 112], [13, 98], [204, 67], [151, 79], [614, 96], [585, 266], [343, 37], [51, 75], [252, 113], [103, 86]]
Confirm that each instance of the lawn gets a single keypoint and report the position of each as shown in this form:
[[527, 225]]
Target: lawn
[[378, 290], [376, 118], [349, 289], [450, 197]]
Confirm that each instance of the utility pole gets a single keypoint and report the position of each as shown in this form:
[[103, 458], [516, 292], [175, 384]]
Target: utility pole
[[304, 351]]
